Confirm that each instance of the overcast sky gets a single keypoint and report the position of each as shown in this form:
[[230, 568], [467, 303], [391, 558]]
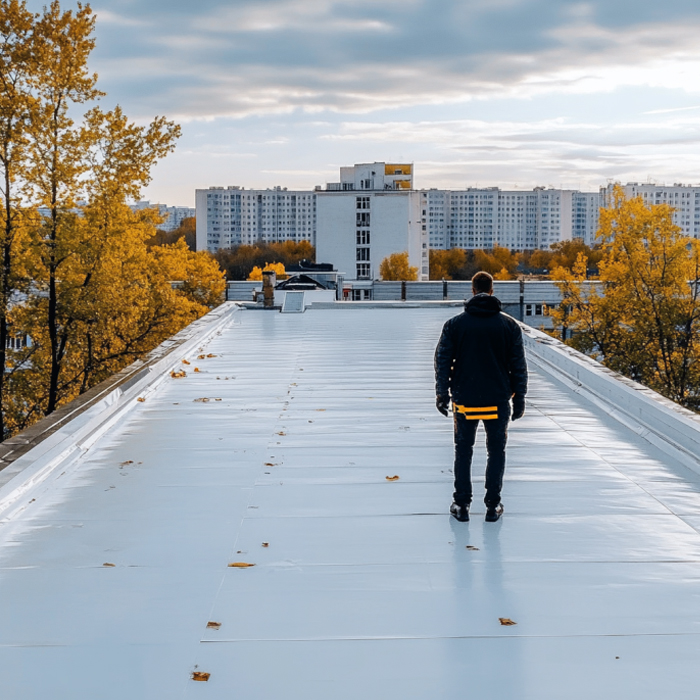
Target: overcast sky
[[474, 92]]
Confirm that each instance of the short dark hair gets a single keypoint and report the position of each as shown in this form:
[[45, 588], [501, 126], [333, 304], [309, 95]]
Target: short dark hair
[[482, 283]]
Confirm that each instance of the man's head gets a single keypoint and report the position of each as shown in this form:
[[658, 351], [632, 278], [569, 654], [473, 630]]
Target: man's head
[[482, 283]]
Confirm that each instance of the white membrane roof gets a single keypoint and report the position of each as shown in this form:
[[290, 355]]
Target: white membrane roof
[[366, 588]]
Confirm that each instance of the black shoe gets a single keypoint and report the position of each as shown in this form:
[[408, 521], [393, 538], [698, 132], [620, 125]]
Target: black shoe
[[460, 513], [493, 514]]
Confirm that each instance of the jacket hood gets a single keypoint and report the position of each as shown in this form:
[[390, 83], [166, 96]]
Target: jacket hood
[[483, 305]]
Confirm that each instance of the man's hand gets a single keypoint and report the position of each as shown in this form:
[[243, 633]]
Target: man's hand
[[518, 407], [442, 403]]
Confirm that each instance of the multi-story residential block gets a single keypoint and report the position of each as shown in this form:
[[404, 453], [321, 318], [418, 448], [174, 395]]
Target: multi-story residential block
[[173, 215], [685, 199], [370, 214], [515, 219], [233, 216], [357, 230]]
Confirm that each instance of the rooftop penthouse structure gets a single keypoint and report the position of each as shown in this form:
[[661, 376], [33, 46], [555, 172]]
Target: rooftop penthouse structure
[[276, 526]]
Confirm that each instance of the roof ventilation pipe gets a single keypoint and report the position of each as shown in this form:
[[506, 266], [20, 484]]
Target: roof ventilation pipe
[[269, 281]]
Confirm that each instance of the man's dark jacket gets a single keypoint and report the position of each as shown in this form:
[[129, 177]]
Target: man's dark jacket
[[480, 360]]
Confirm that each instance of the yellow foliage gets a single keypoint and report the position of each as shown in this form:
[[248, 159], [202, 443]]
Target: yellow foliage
[[277, 268], [645, 320], [395, 267]]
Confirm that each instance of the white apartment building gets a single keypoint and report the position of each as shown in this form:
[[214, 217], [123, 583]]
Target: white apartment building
[[173, 215], [684, 198], [514, 219], [234, 216], [357, 230]]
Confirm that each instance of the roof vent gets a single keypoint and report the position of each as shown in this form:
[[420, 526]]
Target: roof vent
[[293, 303]]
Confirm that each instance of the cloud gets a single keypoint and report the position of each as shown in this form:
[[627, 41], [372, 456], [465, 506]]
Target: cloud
[[323, 55]]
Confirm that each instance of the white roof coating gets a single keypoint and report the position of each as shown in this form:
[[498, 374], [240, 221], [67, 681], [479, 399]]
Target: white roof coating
[[362, 587]]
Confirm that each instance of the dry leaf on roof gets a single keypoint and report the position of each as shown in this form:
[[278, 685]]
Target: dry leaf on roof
[[109, 564], [185, 362], [392, 478], [218, 399], [265, 544], [320, 409], [270, 464], [204, 399], [213, 625], [472, 548], [281, 433], [178, 375], [211, 354], [240, 565], [141, 399], [128, 461], [201, 357], [506, 621], [200, 676], [196, 369]]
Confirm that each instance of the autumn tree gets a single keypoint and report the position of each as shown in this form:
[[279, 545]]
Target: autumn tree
[[445, 264], [187, 230], [256, 274], [396, 267], [645, 320], [95, 296], [16, 67]]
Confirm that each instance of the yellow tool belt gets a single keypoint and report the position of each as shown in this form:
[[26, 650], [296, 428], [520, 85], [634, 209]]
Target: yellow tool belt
[[480, 413]]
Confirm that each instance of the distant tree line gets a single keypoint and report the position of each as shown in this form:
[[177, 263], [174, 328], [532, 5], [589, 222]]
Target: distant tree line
[[238, 262], [85, 284], [504, 264]]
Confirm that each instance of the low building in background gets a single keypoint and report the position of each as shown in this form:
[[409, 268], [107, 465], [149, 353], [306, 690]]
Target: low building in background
[[173, 215]]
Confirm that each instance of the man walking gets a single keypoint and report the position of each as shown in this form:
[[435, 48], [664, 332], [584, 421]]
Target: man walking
[[480, 364]]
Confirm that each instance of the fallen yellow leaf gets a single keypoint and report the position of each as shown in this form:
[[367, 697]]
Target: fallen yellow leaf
[[392, 478], [201, 357], [211, 355], [128, 461], [281, 433], [265, 544], [178, 375], [506, 621], [204, 399], [218, 399], [141, 399], [213, 625], [107, 563], [185, 362], [200, 676], [240, 565], [196, 369]]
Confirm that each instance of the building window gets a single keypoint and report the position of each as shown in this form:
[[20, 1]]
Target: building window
[[362, 271], [362, 202], [362, 237], [528, 309], [362, 254], [363, 219]]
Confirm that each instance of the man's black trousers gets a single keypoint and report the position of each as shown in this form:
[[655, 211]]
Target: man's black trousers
[[496, 437]]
